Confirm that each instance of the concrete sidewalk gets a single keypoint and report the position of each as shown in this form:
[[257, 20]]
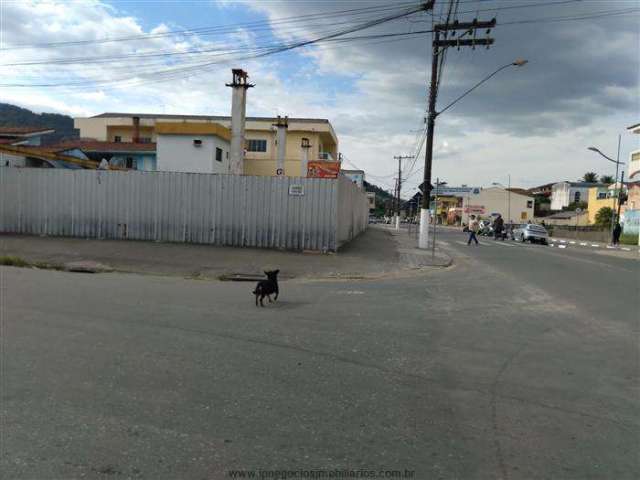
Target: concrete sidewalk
[[374, 254]]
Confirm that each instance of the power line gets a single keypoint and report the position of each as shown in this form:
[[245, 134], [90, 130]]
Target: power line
[[187, 71], [216, 29]]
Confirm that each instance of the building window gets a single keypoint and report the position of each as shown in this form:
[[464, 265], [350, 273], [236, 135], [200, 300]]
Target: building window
[[602, 195], [218, 154], [529, 203], [144, 140], [256, 145], [576, 197], [117, 139], [197, 142], [130, 163], [227, 155]]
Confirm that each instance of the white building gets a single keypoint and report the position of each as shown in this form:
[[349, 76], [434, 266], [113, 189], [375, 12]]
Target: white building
[[565, 193], [512, 204], [192, 147], [634, 157], [356, 176]]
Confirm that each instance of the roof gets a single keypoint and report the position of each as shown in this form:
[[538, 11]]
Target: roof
[[584, 184], [205, 117], [540, 187], [46, 154], [192, 128], [520, 191], [634, 127], [99, 146], [25, 131]]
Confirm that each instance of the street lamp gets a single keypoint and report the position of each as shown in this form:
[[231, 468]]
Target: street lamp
[[520, 62], [616, 216], [423, 240]]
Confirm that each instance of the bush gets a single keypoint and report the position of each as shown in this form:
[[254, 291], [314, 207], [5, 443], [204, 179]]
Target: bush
[[604, 216]]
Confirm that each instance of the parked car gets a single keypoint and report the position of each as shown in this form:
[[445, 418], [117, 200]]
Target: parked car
[[532, 233], [373, 219]]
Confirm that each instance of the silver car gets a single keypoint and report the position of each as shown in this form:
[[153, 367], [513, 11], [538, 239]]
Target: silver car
[[532, 233]]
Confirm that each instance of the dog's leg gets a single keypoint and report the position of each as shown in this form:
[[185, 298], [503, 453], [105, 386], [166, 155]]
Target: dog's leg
[[276, 297], [261, 299], [257, 299], [269, 297]]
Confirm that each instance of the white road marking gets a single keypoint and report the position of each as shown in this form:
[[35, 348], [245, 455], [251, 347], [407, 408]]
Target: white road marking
[[503, 244], [584, 244], [562, 246], [563, 241], [572, 242], [626, 249], [594, 245]]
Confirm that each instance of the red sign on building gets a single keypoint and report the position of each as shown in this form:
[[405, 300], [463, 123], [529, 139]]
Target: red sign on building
[[323, 169]]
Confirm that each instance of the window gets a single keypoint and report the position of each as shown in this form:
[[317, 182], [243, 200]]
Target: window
[[218, 154], [576, 197], [256, 145], [130, 163], [227, 154], [602, 195], [529, 203], [117, 139], [144, 140]]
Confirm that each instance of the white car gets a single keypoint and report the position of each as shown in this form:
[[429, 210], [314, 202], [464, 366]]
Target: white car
[[532, 233]]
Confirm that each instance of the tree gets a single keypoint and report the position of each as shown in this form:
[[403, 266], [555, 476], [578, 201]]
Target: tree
[[573, 205], [604, 216], [590, 177], [608, 179]]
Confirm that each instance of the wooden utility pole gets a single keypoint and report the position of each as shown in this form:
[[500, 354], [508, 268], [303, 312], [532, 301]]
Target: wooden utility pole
[[400, 158], [438, 47]]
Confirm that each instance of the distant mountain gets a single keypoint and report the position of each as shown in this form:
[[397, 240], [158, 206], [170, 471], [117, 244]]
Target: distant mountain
[[383, 199], [12, 116]]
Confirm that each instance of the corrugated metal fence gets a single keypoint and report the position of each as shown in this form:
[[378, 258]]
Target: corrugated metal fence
[[230, 210]]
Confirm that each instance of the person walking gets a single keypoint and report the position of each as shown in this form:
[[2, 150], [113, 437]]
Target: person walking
[[473, 230], [617, 230], [498, 227]]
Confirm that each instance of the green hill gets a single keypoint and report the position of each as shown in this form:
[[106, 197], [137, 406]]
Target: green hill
[[13, 116]]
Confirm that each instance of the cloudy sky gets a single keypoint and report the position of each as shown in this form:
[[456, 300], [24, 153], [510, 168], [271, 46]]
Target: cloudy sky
[[581, 86]]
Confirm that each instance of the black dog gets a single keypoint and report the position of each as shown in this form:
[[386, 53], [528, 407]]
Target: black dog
[[265, 288]]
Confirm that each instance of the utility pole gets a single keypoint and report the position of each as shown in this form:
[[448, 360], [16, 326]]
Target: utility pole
[[399, 186], [438, 47]]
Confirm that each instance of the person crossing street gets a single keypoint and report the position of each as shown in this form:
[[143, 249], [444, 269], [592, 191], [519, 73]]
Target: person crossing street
[[498, 227], [473, 230]]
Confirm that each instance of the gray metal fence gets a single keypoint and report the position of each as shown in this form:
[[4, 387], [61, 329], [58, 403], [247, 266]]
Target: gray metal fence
[[268, 212]]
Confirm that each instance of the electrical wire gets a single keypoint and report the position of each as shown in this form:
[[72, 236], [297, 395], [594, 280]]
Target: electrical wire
[[216, 29], [183, 72]]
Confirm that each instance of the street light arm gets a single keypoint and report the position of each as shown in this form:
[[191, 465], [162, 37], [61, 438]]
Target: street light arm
[[476, 86], [594, 149]]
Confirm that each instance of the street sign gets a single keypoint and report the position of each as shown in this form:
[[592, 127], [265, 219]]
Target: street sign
[[296, 190], [456, 191], [578, 210]]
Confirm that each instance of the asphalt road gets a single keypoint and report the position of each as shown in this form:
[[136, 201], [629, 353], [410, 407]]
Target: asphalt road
[[519, 362]]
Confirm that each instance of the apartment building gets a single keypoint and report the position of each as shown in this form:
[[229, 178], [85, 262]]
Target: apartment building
[[260, 134]]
